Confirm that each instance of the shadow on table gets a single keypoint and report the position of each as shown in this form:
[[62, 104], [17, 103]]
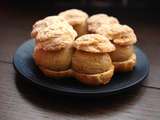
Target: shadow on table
[[78, 106]]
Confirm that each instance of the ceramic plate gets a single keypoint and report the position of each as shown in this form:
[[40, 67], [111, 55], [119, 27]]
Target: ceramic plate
[[24, 64]]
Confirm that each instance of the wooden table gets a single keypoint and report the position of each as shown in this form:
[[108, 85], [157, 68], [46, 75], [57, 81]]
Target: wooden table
[[19, 100]]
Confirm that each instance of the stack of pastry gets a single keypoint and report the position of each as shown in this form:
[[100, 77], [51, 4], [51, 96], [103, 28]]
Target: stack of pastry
[[91, 62], [89, 49], [53, 50], [123, 37]]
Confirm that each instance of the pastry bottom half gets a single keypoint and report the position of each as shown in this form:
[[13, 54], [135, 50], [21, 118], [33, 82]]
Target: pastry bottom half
[[126, 65], [56, 74], [95, 79]]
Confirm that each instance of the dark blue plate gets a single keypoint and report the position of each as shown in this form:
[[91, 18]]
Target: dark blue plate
[[25, 65]]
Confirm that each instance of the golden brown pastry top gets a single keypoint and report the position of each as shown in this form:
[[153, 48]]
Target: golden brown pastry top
[[94, 43], [53, 45], [52, 27], [74, 16], [120, 34], [95, 21], [53, 33]]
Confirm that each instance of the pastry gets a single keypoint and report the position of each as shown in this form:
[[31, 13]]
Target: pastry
[[91, 63], [43, 29], [98, 20], [76, 18], [123, 37], [103, 46], [53, 50]]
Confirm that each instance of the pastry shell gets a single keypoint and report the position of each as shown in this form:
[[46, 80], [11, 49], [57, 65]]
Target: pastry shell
[[125, 66], [55, 60], [94, 62], [93, 43], [98, 20], [118, 34], [51, 28], [122, 53], [56, 74], [95, 79], [76, 18]]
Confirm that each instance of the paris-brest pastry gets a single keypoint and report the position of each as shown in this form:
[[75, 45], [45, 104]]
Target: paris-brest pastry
[[123, 37], [91, 63], [53, 49], [76, 18], [88, 49]]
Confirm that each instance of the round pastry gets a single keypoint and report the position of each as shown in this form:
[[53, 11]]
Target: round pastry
[[120, 34], [53, 50], [123, 37], [98, 20], [76, 18], [91, 63], [44, 29]]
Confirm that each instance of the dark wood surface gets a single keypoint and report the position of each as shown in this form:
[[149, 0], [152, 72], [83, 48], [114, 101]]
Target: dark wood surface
[[20, 100]]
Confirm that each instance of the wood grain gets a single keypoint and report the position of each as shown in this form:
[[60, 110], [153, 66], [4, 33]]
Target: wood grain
[[21, 100]]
